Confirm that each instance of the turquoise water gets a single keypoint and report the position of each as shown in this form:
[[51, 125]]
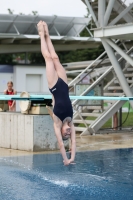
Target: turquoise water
[[97, 175]]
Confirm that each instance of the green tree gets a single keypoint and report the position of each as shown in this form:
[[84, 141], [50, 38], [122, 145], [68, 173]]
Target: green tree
[[36, 58], [35, 12], [21, 13], [10, 11], [6, 59]]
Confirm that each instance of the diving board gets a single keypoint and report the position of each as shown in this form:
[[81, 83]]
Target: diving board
[[43, 97]]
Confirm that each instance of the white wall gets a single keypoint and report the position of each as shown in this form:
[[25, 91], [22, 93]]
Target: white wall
[[36, 80], [20, 78], [4, 78], [21, 83]]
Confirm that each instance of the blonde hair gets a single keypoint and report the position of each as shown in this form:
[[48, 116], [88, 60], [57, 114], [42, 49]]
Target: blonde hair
[[10, 82]]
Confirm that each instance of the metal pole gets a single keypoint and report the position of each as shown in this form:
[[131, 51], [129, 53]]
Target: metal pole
[[118, 70], [73, 81], [120, 51], [101, 12], [123, 13], [100, 78], [120, 118], [89, 31], [26, 57], [108, 12], [92, 13]]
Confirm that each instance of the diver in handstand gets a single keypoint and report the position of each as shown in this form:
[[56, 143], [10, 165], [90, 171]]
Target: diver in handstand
[[57, 83]]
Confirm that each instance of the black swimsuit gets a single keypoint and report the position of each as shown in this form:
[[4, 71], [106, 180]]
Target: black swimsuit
[[63, 107]]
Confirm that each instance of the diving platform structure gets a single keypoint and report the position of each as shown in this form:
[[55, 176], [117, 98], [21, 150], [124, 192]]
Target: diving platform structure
[[18, 33], [112, 21]]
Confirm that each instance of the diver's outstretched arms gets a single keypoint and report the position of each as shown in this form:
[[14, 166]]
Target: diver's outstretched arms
[[57, 129]]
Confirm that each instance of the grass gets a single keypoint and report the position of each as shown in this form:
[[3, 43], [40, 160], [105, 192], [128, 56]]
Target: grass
[[126, 105], [108, 124], [128, 123]]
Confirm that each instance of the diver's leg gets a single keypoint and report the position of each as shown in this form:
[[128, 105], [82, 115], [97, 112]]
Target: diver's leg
[[51, 73], [58, 67]]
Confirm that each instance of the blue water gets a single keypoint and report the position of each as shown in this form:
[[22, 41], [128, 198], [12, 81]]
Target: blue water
[[97, 175]]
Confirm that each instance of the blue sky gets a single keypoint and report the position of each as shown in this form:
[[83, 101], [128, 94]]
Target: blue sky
[[46, 7]]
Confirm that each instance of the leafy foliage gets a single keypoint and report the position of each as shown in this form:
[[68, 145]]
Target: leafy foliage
[[36, 58], [6, 59], [80, 55]]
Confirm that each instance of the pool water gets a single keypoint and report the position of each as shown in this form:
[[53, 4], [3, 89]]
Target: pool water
[[97, 175]]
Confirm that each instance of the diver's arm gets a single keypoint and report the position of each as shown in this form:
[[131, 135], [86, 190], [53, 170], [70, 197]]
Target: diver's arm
[[15, 92], [61, 144], [50, 111], [5, 91], [73, 143]]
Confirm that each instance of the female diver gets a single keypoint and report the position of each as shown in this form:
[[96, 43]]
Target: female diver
[[57, 83]]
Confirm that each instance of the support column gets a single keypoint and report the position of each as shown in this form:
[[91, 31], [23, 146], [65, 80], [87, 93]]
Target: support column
[[120, 51], [118, 70], [92, 13], [108, 12], [101, 12], [123, 13]]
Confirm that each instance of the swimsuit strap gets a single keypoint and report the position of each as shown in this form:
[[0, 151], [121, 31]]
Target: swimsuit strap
[[8, 92]]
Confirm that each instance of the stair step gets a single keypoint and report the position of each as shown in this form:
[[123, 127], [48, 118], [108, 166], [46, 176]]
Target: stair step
[[81, 129], [90, 114], [108, 101], [79, 121], [114, 88], [129, 81], [113, 94], [94, 107], [130, 69], [128, 75]]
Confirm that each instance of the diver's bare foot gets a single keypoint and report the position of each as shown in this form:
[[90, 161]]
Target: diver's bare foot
[[41, 30], [46, 29]]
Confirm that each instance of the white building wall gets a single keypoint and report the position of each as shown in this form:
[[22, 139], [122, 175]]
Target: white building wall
[[21, 73], [4, 78]]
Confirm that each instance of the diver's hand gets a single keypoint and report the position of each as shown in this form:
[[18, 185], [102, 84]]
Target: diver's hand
[[72, 161], [66, 162]]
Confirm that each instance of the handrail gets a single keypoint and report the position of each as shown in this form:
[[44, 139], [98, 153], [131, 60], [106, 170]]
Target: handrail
[[99, 79], [73, 81]]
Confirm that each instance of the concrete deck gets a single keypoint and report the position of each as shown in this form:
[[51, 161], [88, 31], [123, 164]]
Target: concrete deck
[[86, 143], [105, 141]]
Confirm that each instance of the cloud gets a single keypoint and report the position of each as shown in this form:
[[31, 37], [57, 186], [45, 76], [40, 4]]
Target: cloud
[[44, 7]]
